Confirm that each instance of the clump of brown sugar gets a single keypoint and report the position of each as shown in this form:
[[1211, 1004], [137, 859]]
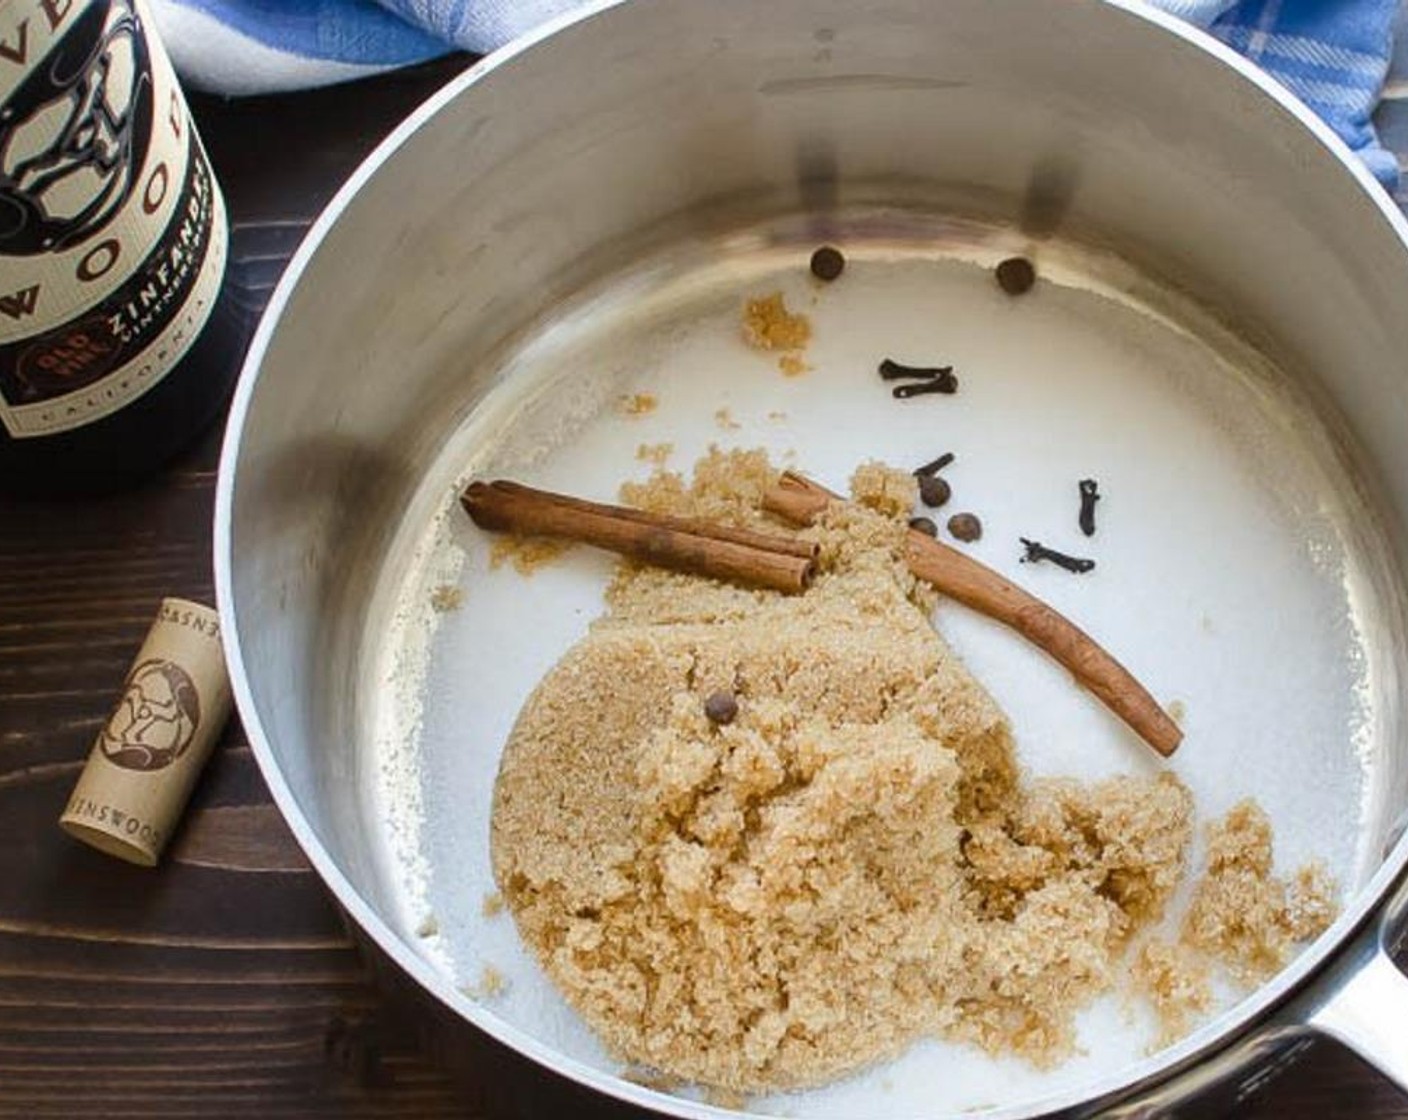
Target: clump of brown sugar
[[492, 984], [526, 554], [446, 597], [638, 404], [1176, 982], [652, 1079], [851, 863], [1244, 922], [769, 325], [1245, 917], [656, 453], [792, 365], [884, 490]]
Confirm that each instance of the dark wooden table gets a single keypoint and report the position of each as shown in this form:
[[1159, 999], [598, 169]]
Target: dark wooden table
[[224, 983]]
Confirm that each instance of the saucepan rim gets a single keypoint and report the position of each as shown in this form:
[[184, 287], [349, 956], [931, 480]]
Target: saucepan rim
[[1154, 1069]]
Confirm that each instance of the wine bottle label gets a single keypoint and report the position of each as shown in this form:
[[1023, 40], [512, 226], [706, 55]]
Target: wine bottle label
[[112, 228]]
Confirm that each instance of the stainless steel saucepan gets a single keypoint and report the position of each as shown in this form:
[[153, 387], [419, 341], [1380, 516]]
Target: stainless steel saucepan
[[1219, 333]]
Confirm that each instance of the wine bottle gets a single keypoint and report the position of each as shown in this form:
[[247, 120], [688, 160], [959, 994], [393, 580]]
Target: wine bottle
[[118, 341]]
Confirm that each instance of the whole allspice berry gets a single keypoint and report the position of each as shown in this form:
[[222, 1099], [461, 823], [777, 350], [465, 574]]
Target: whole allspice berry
[[828, 263], [1016, 275], [965, 527], [933, 490], [721, 707]]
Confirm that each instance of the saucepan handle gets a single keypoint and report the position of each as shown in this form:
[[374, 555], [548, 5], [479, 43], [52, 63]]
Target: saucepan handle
[[1363, 1002]]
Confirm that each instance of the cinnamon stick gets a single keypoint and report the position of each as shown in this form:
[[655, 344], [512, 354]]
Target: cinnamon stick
[[769, 542], [799, 500], [684, 544]]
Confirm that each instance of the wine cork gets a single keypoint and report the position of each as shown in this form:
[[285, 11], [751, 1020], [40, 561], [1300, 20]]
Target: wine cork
[[140, 773]]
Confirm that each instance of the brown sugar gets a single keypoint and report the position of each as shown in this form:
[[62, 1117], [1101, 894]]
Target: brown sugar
[[1312, 902], [768, 325], [526, 554], [1244, 917], [1243, 923], [492, 984], [651, 1079], [792, 365], [445, 598], [850, 864], [887, 491], [1175, 980], [638, 404], [656, 453]]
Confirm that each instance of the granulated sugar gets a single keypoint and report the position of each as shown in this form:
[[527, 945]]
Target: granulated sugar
[[1235, 498], [851, 864]]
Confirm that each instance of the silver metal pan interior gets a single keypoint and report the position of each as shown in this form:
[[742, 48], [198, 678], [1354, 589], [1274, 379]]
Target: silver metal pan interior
[[1214, 336]]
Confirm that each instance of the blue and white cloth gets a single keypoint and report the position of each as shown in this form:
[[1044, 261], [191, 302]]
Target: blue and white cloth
[[1333, 54]]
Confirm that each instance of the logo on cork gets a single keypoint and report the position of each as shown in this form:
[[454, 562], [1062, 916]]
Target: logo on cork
[[155, 720]]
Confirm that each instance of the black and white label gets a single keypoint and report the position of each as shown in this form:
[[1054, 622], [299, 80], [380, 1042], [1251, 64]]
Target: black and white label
[[112, 228]]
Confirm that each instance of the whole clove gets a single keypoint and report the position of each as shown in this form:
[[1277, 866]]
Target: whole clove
[[1089, 495], [827, 263], [1034, 552], [947, 384], [925, 525], [891, 370], [933, 491], [935, 466]]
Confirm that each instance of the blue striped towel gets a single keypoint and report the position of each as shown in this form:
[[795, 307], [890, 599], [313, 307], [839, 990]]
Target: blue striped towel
[[1333, 54]]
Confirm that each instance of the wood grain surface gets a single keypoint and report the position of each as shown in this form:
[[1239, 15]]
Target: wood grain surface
[[224, 983]]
